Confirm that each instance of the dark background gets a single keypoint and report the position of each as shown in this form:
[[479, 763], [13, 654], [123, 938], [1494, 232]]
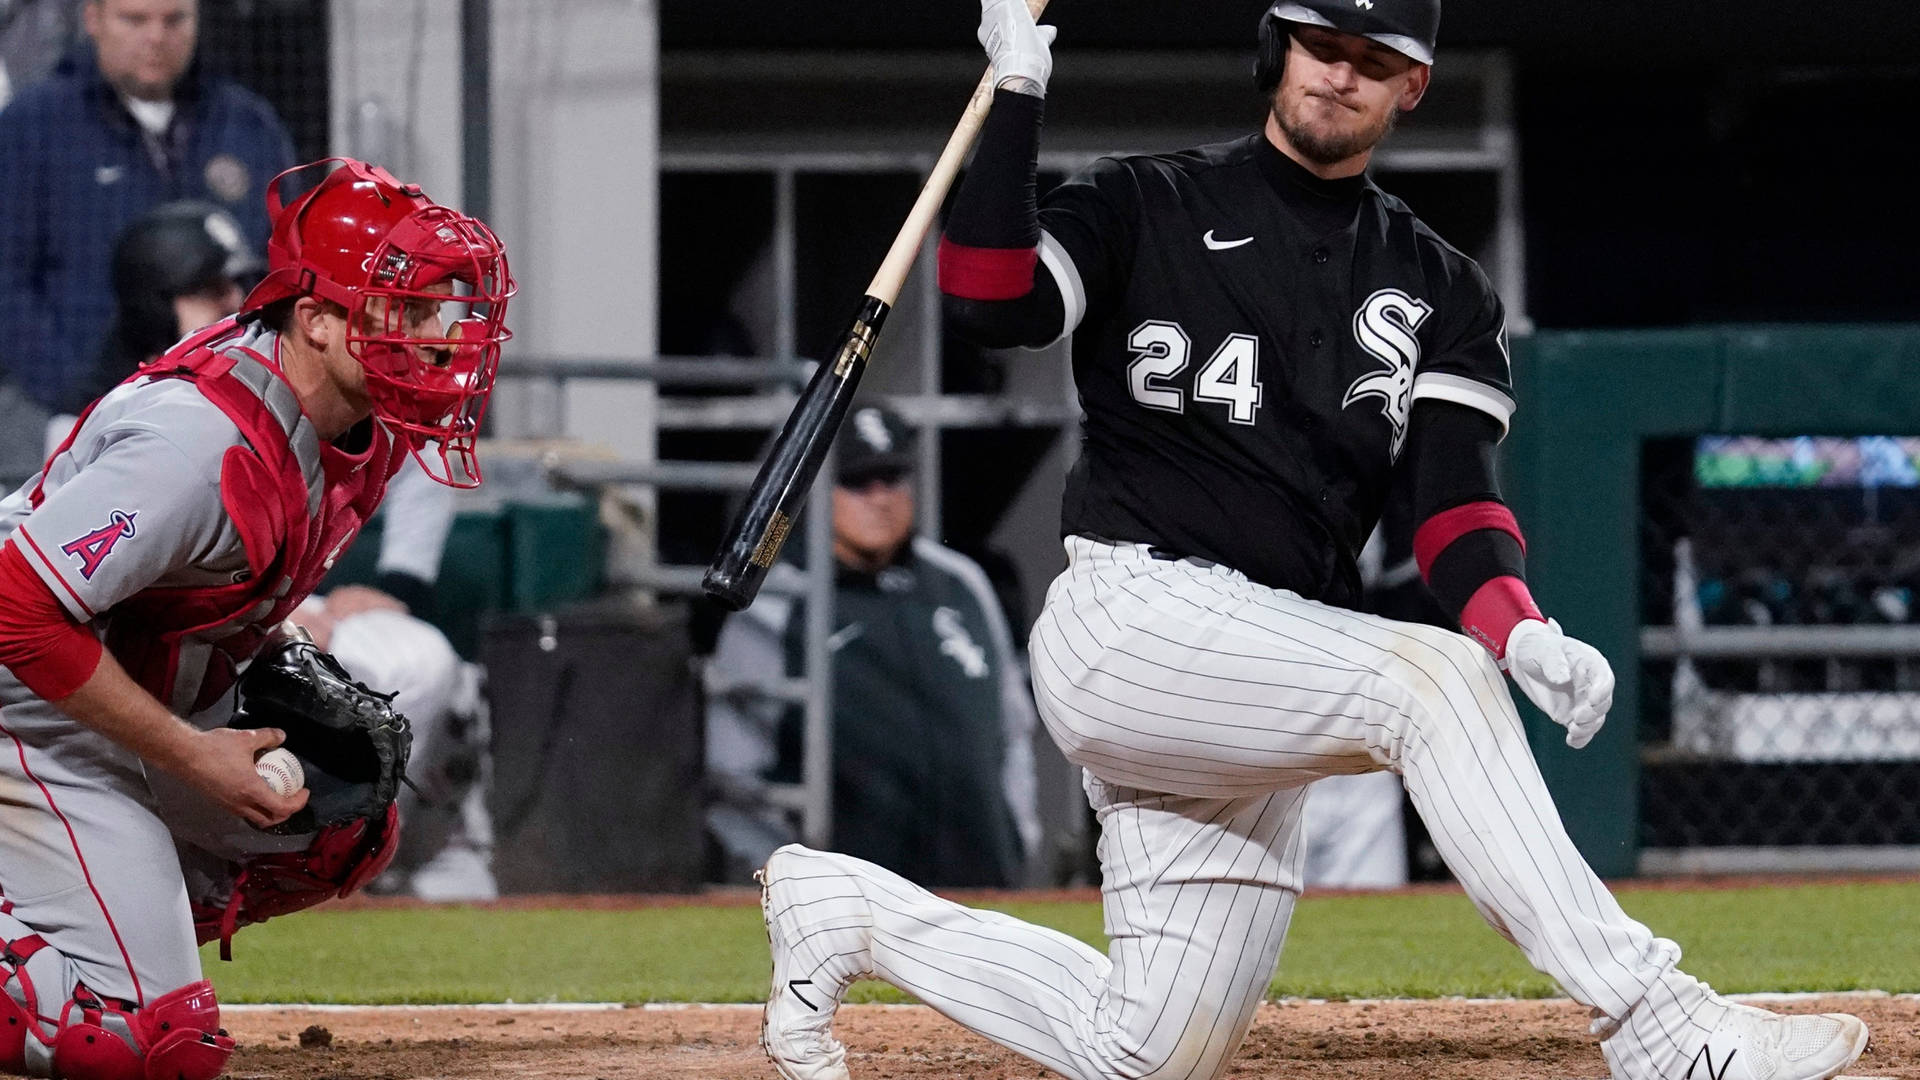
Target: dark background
[[1682, 162]]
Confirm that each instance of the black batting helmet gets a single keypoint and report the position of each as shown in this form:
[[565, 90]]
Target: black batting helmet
[[179, 249], [1406, 26]]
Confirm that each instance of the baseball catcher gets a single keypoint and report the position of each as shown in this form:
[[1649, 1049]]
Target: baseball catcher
[[144, 573]]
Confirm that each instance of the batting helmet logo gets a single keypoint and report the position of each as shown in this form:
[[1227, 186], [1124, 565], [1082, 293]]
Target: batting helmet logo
[[1406, 26]]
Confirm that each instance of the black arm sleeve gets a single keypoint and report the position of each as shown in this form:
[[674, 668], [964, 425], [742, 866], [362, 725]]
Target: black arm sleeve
[[1452, 458], [996, 208], [1032, 320]]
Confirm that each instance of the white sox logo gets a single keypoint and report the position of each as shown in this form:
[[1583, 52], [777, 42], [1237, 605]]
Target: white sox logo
[[1385, 326]]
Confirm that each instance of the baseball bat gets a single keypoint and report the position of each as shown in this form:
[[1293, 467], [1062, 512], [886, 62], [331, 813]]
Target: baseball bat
[[780, 490]]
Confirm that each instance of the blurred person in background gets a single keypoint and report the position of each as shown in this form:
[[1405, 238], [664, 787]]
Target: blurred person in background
[[381, 633], [932, 719], [129, 119], [181, 267], [33, 35]]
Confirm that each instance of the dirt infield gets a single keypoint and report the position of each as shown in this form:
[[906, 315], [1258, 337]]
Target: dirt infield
[[1326, 1041]]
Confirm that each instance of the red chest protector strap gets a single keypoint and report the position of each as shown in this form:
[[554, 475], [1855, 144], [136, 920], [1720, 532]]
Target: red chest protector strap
[[289, 527]]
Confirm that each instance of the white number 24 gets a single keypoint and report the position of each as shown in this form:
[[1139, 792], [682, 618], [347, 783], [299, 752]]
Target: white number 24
[[1230, 376]]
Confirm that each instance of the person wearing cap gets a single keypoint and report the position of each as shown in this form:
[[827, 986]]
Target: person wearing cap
[[932, 720], [1265, 344], [129, 119], [183, 266], [158, 553]]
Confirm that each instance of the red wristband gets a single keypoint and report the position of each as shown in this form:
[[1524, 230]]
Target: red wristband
[[984, 273], [1495, 609], [1443, 528]]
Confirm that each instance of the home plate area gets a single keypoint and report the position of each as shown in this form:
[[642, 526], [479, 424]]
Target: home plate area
[[1355, 1040]]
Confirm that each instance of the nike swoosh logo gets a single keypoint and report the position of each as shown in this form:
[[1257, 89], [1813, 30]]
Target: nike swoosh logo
[[1712, 1073], [1224, 245], [793, 987], [844, 636]]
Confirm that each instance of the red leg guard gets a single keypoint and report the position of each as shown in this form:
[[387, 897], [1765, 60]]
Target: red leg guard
[[176, 1037], [18, 1019], [87, 1051], [181, 1034], [16, 1024]]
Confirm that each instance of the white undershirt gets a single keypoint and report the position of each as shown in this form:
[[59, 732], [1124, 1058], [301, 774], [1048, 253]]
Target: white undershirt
[[153, 116]]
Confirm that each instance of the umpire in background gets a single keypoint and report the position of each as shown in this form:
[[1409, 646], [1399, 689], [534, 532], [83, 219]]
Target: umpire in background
[[128, 120], [932, 719]]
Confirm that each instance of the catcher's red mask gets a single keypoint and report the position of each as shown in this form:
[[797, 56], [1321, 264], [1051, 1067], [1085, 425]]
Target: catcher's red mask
[[397, 262]]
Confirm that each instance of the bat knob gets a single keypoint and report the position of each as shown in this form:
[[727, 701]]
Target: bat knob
[[730, 591]]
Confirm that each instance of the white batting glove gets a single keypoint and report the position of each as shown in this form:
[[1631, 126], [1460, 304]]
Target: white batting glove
[[1017, 47], [1570, 681]]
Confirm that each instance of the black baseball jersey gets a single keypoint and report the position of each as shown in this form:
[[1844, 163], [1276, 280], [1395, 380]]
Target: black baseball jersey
[[1248, 343]]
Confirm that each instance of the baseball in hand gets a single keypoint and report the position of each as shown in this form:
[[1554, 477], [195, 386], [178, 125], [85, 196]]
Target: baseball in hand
[[281, 770]]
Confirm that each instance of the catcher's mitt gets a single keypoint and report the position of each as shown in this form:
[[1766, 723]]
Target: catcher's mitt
[[354, 749], [352, 744]]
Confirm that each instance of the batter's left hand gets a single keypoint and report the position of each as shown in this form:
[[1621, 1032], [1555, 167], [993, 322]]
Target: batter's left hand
[[1020, 51], [1569, 680]]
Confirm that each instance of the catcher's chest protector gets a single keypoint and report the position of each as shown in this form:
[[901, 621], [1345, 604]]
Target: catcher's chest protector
[[295, 514]]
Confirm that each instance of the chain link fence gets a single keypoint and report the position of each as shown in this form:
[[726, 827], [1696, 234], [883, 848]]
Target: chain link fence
[[278, 49], [1781, 720]]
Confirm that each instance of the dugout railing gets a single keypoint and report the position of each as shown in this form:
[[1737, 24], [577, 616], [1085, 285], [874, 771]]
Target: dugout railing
[[1802, 753], [767, 389]]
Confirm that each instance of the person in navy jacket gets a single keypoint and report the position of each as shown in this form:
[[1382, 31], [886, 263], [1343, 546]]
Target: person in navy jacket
[[128, 120]]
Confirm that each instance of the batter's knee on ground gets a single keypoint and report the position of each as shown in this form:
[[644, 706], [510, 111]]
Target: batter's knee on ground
[[1151, 1055], [77, 1034]]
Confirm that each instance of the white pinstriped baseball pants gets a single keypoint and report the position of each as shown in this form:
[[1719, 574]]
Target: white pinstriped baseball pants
[[1200, 705]]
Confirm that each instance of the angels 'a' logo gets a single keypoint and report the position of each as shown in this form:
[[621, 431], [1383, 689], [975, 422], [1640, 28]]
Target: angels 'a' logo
[[93, 548], [1385, 326]]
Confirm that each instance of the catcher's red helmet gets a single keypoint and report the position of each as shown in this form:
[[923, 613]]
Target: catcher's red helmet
[[380, 249]]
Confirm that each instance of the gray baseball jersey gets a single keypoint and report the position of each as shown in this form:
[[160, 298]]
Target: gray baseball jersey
[[87, 858]]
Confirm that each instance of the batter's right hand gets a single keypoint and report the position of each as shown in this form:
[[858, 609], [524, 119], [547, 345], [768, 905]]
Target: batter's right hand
[[1569, 679], [221, 768], [1019, 49]]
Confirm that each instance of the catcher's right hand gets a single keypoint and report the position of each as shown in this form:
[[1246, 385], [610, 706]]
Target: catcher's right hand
[[1017, 47], [220, 766], [1569, 679]]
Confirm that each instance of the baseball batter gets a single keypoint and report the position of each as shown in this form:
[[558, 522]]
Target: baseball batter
[[191, 510], [1263, 340]]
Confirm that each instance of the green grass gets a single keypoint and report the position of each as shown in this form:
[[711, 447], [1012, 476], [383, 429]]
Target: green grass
[[1816, 937]]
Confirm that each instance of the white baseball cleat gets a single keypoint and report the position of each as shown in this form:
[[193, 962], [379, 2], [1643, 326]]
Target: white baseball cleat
[[1753, 1044], [817, 931]]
